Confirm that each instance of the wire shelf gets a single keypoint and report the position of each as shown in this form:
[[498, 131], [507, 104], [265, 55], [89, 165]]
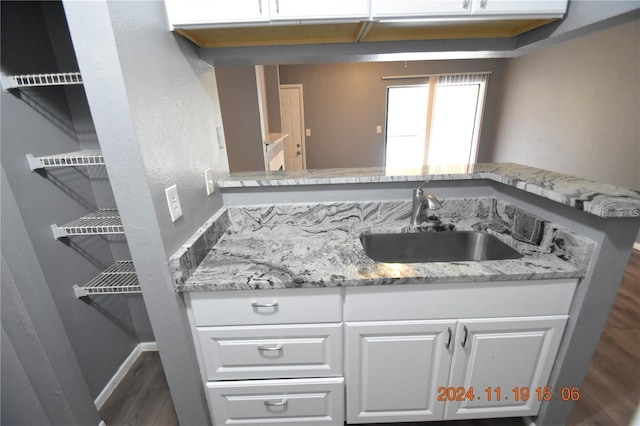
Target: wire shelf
[[70, 159], [119, 278], [102, 222], [40, 80]]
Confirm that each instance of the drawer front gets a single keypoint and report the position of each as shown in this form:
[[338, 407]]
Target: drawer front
[[263, 352], [459, 300], [277, 402], [307, 305]]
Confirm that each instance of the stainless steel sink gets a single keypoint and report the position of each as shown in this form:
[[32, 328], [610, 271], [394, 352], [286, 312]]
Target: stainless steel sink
[[435, 247]]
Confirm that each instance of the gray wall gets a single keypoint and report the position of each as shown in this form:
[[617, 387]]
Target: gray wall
[[343, 104], [155, 107], [42, 380], [59, 196], [272, 83], [574, 108], [238, 92]]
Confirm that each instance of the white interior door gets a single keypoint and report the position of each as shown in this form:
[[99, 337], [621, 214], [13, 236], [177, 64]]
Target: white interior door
[[291, 109]]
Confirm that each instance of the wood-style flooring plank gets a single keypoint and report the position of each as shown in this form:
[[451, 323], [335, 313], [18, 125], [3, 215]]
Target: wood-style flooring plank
[[142, 398], [610, 392]]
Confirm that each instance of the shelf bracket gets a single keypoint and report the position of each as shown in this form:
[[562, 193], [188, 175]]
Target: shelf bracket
[[8, 82], [34, 163], [79, 292], [58, 232]]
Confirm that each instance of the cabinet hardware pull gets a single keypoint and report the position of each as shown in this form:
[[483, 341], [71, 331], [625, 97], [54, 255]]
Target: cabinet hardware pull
[[260, 6], [449, 341], [264, 305], [465, 4], [466, 334], [278, 6], [276, 404], [271, 348], [483, 4]]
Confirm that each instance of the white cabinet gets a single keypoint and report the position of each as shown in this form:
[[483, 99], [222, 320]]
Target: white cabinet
[[271, 356], [402, 371], [501, 359], [381, 9], [413, 9], [395, 369], [205, 13], [542, 8], [278, 402], [325, 10], [274, 351], [224, 13], [407, 361], [411, 353]]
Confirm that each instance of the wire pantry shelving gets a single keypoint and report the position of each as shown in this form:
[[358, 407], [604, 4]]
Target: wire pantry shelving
[[119, 278], [70, 159], [40, 80], [101, 222]]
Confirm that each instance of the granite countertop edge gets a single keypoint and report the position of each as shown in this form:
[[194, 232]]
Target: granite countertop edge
[[599, 199]]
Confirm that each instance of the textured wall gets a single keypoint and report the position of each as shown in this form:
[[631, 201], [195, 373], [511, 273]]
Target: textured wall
[[344, 103], [61, 124], [155, 107], [574, 108], [241, 115]]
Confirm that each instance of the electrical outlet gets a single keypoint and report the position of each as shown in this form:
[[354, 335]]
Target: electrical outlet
[[208, 181], [308, 132], [175, 209]]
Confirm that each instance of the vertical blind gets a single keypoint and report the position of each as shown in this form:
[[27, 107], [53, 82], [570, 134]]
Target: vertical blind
[[462, 79]]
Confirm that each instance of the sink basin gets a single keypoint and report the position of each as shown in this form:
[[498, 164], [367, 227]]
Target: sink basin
[[435, 247]]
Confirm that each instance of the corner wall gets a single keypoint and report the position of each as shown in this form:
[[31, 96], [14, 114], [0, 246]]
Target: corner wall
[[575, 107], [155, 107]]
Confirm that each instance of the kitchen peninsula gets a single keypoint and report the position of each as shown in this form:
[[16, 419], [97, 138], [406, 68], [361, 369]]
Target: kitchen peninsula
[[281, 270]]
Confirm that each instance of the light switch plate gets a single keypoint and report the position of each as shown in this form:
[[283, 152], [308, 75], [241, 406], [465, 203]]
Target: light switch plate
[[308, 132], [208, 181], [378, 129], [220, 136], [175, 209]]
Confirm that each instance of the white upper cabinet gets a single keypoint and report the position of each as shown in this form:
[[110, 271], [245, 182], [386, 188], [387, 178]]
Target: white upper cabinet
[[518, 7], [414, 9], [325, 10], [206, 13], [381, 9], [221, 13]]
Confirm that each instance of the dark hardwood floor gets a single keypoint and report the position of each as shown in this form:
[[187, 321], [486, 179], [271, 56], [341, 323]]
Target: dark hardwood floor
[[609, 395], [142, 398]]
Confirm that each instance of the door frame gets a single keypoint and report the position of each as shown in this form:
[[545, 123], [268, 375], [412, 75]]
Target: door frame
[[302, 126]]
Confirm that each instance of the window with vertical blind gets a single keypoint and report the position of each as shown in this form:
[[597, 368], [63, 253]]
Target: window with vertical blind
[[436, 121]]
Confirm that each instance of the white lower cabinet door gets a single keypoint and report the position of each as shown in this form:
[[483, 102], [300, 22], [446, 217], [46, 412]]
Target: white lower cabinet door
[[394, 369], [278, 402], [506, 362]]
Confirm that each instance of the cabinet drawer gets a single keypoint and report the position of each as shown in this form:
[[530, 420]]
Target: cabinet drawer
[[313, 305], [264, 352], [278, 402], [459, 300]]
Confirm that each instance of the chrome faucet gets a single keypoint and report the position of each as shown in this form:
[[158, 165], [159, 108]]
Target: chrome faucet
[[420, 200]]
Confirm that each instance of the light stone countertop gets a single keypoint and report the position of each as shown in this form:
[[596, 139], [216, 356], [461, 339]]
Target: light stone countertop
[[317, 245], [599, 199]]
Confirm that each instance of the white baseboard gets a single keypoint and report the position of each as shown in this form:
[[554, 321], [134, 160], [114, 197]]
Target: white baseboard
[[636, 246], [122, 371]]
